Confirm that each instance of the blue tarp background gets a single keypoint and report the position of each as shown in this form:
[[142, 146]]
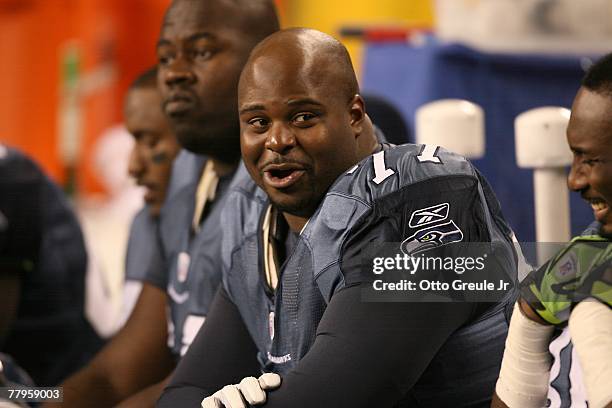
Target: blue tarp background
[[504, 85]]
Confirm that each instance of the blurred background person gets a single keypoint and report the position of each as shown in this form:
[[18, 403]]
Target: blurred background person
[[43, 263], [150, 165], [200, 59]]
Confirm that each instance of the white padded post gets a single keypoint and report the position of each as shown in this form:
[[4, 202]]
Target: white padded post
[[454, 124], [541, 145]]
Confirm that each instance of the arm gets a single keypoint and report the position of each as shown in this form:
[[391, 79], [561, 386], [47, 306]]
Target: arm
[[529, 313], [222, 353], [135, 358], [523, 378], [590, 326], [146, 397], [542, 305], [368, 354]]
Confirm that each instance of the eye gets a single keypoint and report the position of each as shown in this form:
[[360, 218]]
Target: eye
[[164, 57], [202, 54], [304, 118], [430, 236], [590, 162], [258, 123]]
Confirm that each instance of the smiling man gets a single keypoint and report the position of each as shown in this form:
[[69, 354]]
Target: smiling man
[[202, 48], [292, 245], [565, 310]]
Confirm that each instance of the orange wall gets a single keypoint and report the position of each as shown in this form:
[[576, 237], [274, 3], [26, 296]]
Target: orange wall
[[32, 35]]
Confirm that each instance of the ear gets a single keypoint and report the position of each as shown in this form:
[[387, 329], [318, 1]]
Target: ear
[[357, 113]]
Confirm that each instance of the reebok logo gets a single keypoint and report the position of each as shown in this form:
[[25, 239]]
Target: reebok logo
[[429, 215]]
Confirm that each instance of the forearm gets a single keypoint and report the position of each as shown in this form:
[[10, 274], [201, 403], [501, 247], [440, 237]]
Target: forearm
[[88, 386], [497, 402], [590, 326], [523, 378], [147, 397], [222, 353], [135, 358]]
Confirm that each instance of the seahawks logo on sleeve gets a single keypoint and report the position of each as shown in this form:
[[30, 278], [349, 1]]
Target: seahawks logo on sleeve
[[434, 229]]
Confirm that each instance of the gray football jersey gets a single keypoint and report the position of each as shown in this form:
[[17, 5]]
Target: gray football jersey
[[380, 194], [191, 262]]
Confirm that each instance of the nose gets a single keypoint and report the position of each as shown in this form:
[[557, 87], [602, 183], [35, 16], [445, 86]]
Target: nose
[[136, 166], [280, 139], [178, 71], [577, 179]]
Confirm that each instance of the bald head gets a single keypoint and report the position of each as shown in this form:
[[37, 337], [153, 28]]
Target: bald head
[[314, 56], [302, 121], [254, 19]]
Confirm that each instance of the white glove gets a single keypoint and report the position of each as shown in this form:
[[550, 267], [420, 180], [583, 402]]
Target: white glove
[[250, 390]]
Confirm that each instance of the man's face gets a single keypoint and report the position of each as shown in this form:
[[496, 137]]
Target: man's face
[[200, 58], [589, 135], [296, 133], [155, 148]]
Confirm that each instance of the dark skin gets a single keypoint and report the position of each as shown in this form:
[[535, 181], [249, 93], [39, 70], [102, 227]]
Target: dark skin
[[202, 48], [589, 136], [155, 146], [291, 135], [201, 51], [135, 358], [302, 125], [110, 378]]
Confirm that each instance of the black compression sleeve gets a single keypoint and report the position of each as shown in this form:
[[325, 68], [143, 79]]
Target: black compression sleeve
[[368, 354], [222, 353]]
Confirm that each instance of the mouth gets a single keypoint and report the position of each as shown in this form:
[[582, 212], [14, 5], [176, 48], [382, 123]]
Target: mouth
[[281, 176], [600, 208], [178, 105], [149, 195]]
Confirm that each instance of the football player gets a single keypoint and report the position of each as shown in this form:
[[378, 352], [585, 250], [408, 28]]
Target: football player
[[43, 262], [155, 148], [293, 239], [559, 348], [202, 48]]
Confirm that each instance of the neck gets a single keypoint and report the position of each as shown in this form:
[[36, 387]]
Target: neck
[[223, 168], [296, 223]]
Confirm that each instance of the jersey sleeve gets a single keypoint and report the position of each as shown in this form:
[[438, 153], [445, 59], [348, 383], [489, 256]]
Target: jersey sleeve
[[426, 216], [414, 197], [144, 261]]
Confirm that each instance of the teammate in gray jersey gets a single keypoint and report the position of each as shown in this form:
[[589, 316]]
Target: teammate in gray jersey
[[565, 309], [150, 163], [292, 244], [202, 48]]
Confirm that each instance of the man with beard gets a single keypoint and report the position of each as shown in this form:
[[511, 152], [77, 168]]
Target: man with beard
[[292, 246], [565, 307], [202, 48]]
